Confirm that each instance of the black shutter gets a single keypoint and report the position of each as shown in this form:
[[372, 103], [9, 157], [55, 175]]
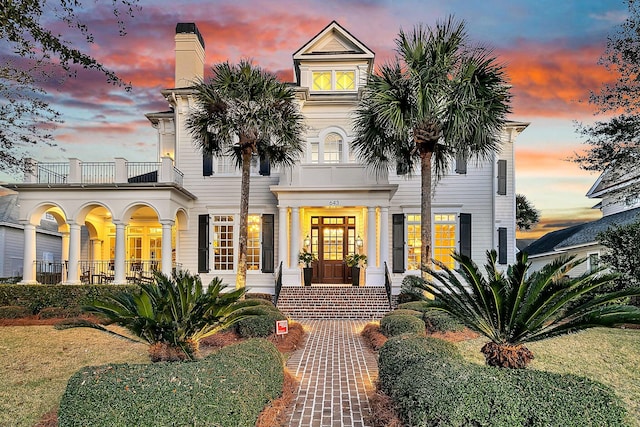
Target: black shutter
[[461, 163], [203, 243], [207, 164], [502, 177], [465, 234], [265, 166], [267, 243], [402, 168], [398, 243], [502, 245]]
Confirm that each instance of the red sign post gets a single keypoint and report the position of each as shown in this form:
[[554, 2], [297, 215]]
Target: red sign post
[[282, 327]]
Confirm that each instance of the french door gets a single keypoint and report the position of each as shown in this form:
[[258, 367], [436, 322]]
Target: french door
[[332, 238]]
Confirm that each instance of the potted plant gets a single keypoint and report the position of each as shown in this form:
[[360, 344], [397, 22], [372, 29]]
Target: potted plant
[[355, 262], [306, 258]]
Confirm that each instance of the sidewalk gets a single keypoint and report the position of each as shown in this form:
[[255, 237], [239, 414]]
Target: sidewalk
[[335, 370]]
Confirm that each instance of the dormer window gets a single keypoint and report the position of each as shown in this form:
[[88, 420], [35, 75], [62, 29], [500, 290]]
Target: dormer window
[[343, 80]]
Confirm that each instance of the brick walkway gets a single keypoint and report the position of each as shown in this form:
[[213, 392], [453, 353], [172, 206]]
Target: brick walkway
[[335, 370]]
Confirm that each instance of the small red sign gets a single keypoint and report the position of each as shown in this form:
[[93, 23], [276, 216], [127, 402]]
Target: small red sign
[[282, 327]]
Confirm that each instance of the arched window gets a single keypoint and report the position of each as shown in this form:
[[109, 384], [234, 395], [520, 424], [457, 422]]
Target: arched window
[[333, 148]]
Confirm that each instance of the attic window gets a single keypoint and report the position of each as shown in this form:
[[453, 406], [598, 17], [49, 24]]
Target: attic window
[[334, 80]]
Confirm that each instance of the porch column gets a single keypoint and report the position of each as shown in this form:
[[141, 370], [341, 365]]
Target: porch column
[[384, 235], [282, 236], [372, 259], [96, 251], [119, 276], [29, 257], [64, 256], [73, 277], [295, 237], [166, 247]]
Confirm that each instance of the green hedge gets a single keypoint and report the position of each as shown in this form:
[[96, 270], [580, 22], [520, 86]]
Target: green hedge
[[72, 297], [260, 323], [421, 306], [440, 321], [13, 312], [397, 311], [228, 388], [398, 324], [430, 387]]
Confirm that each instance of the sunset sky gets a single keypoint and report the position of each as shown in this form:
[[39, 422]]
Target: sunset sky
[[550, 48]]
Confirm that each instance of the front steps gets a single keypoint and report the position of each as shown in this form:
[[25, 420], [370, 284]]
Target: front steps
[[333, 302]]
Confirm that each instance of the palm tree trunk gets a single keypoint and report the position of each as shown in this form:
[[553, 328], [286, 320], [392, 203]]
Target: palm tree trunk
[[425, 212], [241, 277]]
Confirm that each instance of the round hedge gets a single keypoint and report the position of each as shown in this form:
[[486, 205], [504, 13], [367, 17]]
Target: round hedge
[[440, 321], [260, 321], [397, 324], [413, 313]]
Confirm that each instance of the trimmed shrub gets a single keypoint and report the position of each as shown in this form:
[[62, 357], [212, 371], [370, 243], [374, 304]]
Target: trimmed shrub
[[228, 388], [397, 311], [260, 323], [259, 295], [250, 302], [14, 312], [429, 388], [440, 321], [398, 324], [400, 352], [421, 306], [37, 297], [55, 312]]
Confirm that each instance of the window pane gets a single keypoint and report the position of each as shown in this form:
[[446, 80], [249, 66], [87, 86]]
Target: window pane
[[315, 152], [414, 245], [223, 242], [322, 80], [333, 148], [253, 243], [444, 239], [345, 80]]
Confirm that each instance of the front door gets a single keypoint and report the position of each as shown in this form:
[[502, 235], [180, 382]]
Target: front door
[[332, 239]]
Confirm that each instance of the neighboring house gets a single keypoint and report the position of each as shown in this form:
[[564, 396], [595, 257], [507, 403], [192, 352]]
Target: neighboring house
[[48, 242], [618, 208], [127, 219]]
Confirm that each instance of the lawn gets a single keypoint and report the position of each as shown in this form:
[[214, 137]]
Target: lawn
[[37, 361], [611, 356]]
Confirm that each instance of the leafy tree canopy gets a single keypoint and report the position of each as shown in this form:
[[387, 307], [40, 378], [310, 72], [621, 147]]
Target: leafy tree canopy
[[623, 243], [36, 52], [526, 214], [614, 145]]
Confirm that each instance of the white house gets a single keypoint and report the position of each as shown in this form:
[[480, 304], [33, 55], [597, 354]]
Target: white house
[[618, 205], [182, 208]]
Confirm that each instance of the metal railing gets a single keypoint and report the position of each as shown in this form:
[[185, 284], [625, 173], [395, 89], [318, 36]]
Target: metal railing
[[50, 273], [142, 171], [97, 172], [387, 284], [52, 173], [278, 283]]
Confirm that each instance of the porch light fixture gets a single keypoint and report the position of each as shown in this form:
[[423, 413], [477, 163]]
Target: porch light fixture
[[359, 241], [307, 241]]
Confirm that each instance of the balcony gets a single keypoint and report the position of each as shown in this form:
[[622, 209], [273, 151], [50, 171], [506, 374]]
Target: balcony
[[332, 175], [120, 171]]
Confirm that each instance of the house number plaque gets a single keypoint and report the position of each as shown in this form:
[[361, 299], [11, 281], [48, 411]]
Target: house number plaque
[[334, 202]]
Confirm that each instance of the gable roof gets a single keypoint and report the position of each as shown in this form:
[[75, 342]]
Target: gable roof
[[580, 235], [332, 43]]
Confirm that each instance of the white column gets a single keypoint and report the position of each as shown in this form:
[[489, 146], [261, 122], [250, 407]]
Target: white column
[[73, 277], [295, 237], [166, 247], [282, 236], [96, 251], [64, 256], [372, 260], [119, 277], [29, 257], [384, 236]]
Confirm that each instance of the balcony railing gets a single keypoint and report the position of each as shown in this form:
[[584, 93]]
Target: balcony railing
[[118, 172]]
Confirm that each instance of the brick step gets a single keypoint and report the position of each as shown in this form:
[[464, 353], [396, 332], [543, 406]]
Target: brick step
[[333, 302]]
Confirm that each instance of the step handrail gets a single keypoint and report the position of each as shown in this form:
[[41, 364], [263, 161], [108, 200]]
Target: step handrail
[[278, 286], [387, 283]]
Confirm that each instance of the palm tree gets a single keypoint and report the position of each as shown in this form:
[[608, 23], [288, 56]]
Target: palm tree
[[441, 98], [243, 111], [516, 307]]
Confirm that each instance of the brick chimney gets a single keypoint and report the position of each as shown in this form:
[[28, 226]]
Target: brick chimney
[[189, 55]]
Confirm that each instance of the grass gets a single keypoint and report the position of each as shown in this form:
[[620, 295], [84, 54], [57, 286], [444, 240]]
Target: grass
[[610, 356], [37, 361]]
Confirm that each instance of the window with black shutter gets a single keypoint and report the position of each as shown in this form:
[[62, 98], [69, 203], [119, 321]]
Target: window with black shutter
[[207, 164], [267, 244], [502, 245], [203, 243], [465, 234], [265, 166], [461, 163], [502, 177], [398, 243]]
